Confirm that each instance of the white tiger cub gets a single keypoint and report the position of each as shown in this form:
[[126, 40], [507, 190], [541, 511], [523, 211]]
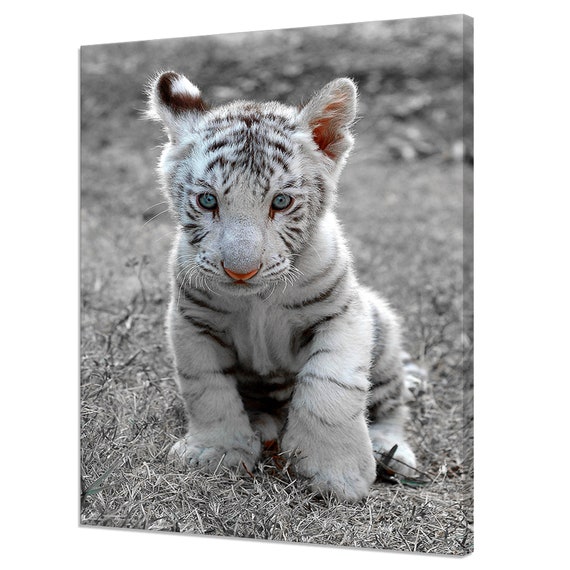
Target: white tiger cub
[[273, 338]]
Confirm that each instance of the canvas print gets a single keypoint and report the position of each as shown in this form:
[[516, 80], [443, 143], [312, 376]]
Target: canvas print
[[277, 285]]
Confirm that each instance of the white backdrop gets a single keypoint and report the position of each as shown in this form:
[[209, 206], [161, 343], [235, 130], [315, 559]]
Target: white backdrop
[[521, 237]]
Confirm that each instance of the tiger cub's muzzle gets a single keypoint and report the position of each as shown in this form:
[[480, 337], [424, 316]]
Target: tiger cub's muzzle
[[242, 247]]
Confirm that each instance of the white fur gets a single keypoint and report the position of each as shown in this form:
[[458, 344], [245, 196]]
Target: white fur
[[229, 339], [183, 87]]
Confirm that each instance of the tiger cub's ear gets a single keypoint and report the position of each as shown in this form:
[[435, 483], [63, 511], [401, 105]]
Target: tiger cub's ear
[[329, 116], [174, 101]]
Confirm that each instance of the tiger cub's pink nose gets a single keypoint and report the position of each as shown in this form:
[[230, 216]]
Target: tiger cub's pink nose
[[241, 276]]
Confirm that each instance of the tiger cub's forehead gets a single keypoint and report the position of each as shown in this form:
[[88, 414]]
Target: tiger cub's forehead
[[251, 115], [244, 139]]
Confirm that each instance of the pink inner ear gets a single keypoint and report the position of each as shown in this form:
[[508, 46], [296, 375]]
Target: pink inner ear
[[327, 128]]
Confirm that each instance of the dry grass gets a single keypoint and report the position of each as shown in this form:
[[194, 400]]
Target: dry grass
[[129, 427], [405, 221]]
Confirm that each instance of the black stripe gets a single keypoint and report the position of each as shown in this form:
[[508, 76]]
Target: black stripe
[[198, 323], [279, 120], [279, 146], [309, 333], [249, 120], [282, 161], [215, 338], [332, 380], [277, 125], [279, 262], [267, 378], [218, 145], [287, 232], [286, 242], [295, 208], [388, 400], [198, 238], [265, 183], [262, 404], [257, 394], [194, 213], [263, 389], [319, 351], [205, 329], [201, 303], [216, 125], [378, 380], [225, 191], [198, 375], [218, 159], [270, 170], [291, 183], [322, 297], [379, 409], [207, 269]]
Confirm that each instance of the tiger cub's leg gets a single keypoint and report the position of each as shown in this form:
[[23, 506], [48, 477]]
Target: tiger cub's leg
[[326, 432], [219, 431], [387, 413]]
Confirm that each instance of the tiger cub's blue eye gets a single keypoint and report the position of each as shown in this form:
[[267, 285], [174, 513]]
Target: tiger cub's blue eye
[[281, 201], [207, 201]]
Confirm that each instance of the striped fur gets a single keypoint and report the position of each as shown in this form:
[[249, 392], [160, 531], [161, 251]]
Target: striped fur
[[300, 352]]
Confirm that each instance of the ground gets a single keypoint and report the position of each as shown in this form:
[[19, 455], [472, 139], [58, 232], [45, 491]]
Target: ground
[[406, 206]]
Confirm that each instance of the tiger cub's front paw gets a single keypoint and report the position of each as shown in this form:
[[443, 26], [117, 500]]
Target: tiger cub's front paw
[[348, 476], [196, 453], [346, 482]]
